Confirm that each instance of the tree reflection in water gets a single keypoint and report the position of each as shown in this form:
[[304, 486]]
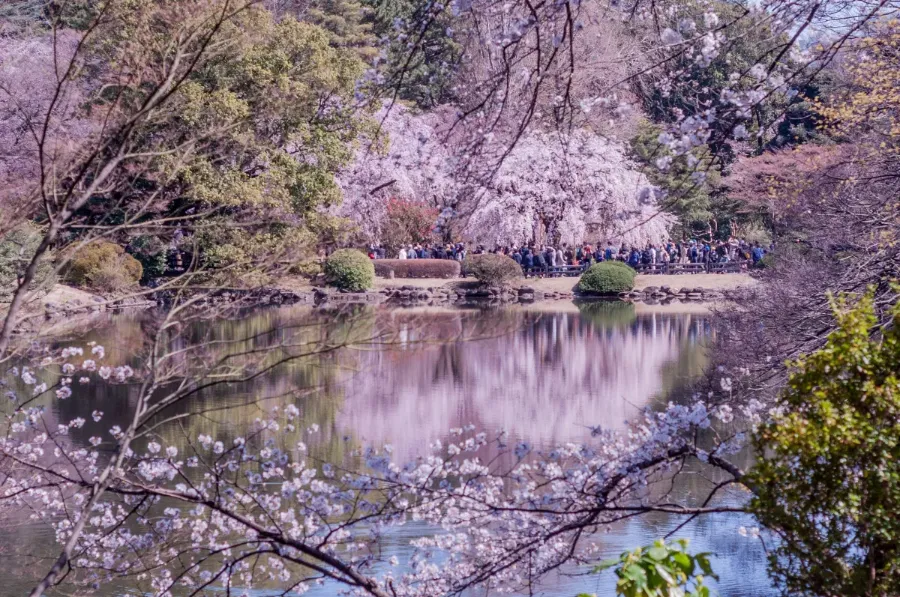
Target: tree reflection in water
[[544, 377]]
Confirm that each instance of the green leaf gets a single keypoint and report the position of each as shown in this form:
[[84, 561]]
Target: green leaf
[[665, 574], [606, 565], [636, 574], [658, 553], [703, 562], [685, 562]]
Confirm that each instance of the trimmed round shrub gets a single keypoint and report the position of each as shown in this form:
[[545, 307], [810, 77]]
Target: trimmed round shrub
[[607, 278], [105, 266], [493, 269], [349, 269], [417, 268]]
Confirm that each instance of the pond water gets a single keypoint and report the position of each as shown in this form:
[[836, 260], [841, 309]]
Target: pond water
[[543, 374]]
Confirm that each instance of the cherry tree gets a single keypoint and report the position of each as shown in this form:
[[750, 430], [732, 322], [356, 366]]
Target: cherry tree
[[550, 188], [573, 189]]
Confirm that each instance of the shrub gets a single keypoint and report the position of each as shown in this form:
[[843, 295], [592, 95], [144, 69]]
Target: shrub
[[417, 268], [617, 263], [491, 269], [153, 255], [105, 266], [608, 277], [408, 222], [17, 247], [349, 269]]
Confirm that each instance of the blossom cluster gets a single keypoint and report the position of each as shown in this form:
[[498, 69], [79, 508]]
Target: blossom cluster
[[258, 510]]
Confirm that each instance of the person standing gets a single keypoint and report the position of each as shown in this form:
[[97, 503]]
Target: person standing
[[540, 263]]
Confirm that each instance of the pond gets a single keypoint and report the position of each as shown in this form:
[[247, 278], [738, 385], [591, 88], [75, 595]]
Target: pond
[[544, 373]]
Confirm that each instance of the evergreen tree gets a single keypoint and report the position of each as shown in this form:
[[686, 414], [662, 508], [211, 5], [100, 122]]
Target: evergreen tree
[[422, 54]]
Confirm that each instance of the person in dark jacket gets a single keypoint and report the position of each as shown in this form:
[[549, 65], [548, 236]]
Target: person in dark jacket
[[634, 258], [540, 263], [756, 253], [609, 252]]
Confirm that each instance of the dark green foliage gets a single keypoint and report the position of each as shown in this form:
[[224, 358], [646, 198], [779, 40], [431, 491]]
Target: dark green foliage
[[689, 196], [23, 13], [423, 74], [801, 122], [349, 269], [17, 248], [608, 277], [829, 486], [153, 255], [695, 87], [694, 193], [661, 569], [417, 268], [492, 269]]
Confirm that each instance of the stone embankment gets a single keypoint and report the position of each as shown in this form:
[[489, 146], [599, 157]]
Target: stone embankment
[[65, 302], [524, 294]]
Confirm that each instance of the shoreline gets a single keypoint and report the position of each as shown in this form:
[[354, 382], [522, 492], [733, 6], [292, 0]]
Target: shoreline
[[65, 302], [718, 282]]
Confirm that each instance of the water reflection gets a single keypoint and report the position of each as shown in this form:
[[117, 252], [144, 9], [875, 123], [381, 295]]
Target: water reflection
[[409, 376], [547, 378]]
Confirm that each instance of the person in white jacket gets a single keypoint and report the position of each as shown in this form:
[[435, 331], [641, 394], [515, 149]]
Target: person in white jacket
[[402, 253]]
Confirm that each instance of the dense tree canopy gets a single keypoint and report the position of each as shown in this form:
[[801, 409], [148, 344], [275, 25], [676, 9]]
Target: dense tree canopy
[[829, 485]]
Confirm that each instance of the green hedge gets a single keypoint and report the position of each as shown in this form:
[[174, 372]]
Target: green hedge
[[349, 269], [492, 269], [608, 277], [417, 268]]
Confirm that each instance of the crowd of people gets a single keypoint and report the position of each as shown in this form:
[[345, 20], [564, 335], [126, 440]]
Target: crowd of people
[[534, 258], [455, 251]]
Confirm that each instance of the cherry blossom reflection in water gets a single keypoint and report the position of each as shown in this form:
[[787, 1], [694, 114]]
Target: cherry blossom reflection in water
[[544, 377]]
